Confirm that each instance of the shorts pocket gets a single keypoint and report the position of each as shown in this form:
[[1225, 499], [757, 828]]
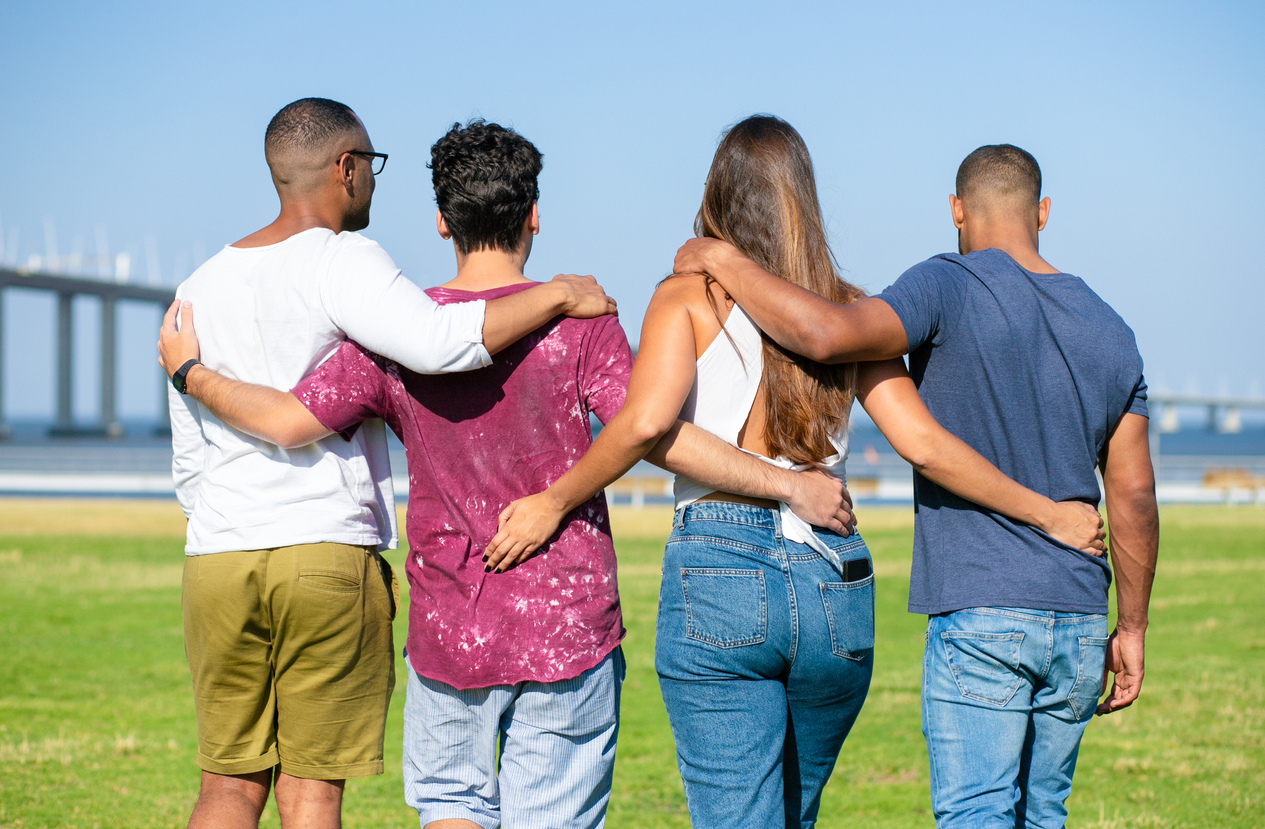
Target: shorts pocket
[[985, 666], [1088, 686], [724, 607], [850, 616]]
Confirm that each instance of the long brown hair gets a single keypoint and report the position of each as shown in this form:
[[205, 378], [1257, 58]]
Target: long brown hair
[[761, 197]]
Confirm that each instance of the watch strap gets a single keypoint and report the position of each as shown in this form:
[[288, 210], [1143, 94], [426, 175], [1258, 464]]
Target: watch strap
[[178, 380]]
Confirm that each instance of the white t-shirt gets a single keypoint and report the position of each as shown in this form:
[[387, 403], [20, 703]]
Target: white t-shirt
[[270, 315]]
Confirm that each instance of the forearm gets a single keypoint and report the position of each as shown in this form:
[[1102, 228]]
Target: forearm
[[1134, 525], [808, 324], [615, 450], [964, 472], [508, 319], [701, 456], [264, 412]]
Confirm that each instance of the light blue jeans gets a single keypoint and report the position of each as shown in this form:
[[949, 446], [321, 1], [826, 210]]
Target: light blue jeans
[[1006, 695], [557, 750], [764, 655]]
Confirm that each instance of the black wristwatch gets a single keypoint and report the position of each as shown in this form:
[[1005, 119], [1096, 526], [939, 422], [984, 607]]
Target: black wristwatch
[[178, 379]]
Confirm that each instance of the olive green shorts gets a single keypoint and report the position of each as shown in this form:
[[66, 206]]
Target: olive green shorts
[[292, 659]]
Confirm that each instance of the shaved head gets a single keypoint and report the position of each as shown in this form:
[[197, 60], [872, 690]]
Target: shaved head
[[999, 175], [305, 137]]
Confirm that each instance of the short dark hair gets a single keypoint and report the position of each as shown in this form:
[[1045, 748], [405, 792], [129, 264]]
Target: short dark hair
[[308, 125], [485, 182], [999, 170]]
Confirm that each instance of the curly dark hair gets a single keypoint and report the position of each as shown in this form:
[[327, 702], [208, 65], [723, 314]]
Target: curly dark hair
[[485, 183]]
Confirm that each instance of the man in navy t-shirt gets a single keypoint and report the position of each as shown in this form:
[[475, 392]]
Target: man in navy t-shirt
[[1033, 370]]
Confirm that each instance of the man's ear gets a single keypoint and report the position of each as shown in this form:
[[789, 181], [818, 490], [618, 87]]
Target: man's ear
[[346, 171], [1043, 213], [533, 220], [442, 226], [957, 210]]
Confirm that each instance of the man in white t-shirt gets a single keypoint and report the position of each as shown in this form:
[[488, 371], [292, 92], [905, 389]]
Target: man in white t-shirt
[[287, 602]]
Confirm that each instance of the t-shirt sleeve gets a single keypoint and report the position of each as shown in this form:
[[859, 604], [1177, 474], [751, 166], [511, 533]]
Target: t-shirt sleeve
[[606, 365], [367, 298], [928, 298], [1137, 400], [347, 389]]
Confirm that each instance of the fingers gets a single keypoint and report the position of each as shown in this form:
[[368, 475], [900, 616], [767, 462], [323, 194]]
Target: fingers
[[169, 318], [186, 320]]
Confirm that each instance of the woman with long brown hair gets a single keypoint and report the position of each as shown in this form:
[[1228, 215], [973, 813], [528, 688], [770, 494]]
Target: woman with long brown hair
[[765, 638]]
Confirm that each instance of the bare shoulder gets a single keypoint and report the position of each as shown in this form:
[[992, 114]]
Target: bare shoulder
[[695, 293]]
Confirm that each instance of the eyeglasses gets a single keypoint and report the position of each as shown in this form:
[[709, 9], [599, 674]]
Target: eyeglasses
[[376, 160]]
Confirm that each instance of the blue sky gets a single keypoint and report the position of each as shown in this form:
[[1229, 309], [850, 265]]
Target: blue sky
[[1148, 121]]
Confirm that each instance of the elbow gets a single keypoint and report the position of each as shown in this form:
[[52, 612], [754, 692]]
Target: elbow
[[918, 450], [646, 428], [293, 439], [817, 344]]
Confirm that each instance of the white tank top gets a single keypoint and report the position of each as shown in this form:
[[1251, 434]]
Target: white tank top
[[726, 380]]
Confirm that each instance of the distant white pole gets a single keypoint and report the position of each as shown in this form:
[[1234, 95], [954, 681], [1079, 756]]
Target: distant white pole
[[74, 262], [182, 265], [152, 272], [12, 246], [199, 253], [50, 246], [122, 267], [3, 258], [103, 253]]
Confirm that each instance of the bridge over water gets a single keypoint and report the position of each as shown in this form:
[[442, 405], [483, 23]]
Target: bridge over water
[[66, 288]]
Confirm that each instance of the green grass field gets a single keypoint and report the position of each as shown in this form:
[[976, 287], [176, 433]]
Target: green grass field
[[96, 719]]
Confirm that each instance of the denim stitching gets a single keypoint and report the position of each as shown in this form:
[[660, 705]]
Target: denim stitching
[[713, 541], [1085, 641], [843, 586], [762, 622], [948, 635]]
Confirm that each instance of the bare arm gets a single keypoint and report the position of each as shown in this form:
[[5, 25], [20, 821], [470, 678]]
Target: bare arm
[[890, 398], [267, 413], [818, 498], [660, 382], [796, 319], [1134, 522], [508, 319]]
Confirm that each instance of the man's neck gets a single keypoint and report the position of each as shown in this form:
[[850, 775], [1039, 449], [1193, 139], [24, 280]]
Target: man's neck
[[295, 217], [1016, 242], [483, 270]]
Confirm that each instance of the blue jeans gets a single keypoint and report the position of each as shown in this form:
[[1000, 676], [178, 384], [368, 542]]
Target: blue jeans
[[764, 658], [1006, 695]]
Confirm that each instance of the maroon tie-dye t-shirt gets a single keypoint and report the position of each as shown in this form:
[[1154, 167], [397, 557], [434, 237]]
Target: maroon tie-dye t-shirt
[[475, 442]]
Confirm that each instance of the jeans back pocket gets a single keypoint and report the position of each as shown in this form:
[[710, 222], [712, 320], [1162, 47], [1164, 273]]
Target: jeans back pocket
[[1088, 686], [985, 666], [724, 607], [850, 616]]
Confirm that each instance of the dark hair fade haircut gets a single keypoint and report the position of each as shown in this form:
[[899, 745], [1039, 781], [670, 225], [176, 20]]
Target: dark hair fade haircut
[[999, 170], [485, 183], [307, 125]]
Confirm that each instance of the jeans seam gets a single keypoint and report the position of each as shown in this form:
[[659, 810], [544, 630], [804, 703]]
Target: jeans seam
[[792, 604], [1049, 651]]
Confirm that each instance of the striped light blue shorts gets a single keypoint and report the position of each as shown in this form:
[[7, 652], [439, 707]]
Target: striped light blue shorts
[[557, 744]]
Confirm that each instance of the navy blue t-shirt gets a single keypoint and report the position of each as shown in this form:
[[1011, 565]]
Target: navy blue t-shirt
[[1033, 371]]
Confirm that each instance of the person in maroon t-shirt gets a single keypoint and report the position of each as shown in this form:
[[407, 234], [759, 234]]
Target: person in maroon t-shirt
[[527, 654]]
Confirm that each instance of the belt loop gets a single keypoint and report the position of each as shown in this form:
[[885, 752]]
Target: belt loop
[[678, 519], [777, 522]]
